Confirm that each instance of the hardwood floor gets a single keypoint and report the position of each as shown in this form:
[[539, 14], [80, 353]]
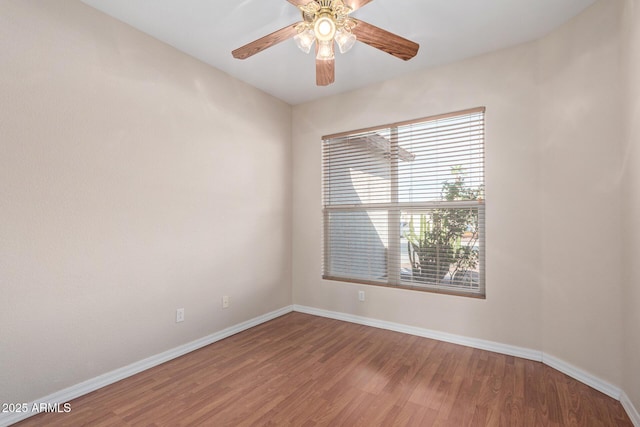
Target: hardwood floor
[[302, 370]]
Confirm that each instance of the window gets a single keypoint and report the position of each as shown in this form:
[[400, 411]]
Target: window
[[403, 204]]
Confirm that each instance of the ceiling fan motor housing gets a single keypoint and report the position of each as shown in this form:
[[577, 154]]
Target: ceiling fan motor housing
[[317, 10]]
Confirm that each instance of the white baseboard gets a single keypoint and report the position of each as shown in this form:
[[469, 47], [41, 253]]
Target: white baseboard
[[631, 410], [510, 350], [582, 376], [93, 384], [525, 353]]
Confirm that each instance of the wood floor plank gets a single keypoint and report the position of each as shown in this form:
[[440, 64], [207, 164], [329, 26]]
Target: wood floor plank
[[302, 370]]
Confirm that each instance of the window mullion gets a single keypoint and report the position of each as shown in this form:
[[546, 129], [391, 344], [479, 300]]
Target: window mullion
[[393, 252]]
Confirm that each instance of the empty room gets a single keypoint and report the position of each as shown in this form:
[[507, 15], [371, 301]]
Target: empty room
[[320, 213]]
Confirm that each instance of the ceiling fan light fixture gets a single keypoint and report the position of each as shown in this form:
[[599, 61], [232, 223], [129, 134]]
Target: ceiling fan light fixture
[[304, 40], [324, 27], [325, 50], [345, 40]]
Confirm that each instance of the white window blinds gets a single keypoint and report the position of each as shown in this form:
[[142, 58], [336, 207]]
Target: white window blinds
[[404, 205]]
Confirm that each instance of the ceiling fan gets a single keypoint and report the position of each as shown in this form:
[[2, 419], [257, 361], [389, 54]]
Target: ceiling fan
[[325, 22]]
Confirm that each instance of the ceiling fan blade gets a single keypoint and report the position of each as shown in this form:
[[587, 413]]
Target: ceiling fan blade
[[388, 42], [325, 71], [356, 4], [265, 42]]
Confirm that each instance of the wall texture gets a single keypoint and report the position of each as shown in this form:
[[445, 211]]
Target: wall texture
[[580, 159], [553, 150], [631, 203], [133, 180]]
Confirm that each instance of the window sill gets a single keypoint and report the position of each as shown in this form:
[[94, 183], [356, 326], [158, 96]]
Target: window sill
[[410, 288]]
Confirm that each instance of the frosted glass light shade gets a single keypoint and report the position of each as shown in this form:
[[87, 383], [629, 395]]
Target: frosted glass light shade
[[325, 50], [304, 40], [324, 28], [345, 41]]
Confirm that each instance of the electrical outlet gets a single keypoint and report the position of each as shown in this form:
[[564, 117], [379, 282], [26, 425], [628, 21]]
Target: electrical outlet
[[179, 315], [225, 301], [361, 295]]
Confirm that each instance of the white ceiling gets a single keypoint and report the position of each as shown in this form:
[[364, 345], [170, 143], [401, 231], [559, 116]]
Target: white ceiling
[[447, 30]]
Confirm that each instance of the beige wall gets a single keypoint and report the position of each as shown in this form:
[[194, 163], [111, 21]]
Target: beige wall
[[581, 142], [631, 203], [553, 148], [133, 180]]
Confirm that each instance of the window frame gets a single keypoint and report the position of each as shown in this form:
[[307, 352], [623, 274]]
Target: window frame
[[394, 208]]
